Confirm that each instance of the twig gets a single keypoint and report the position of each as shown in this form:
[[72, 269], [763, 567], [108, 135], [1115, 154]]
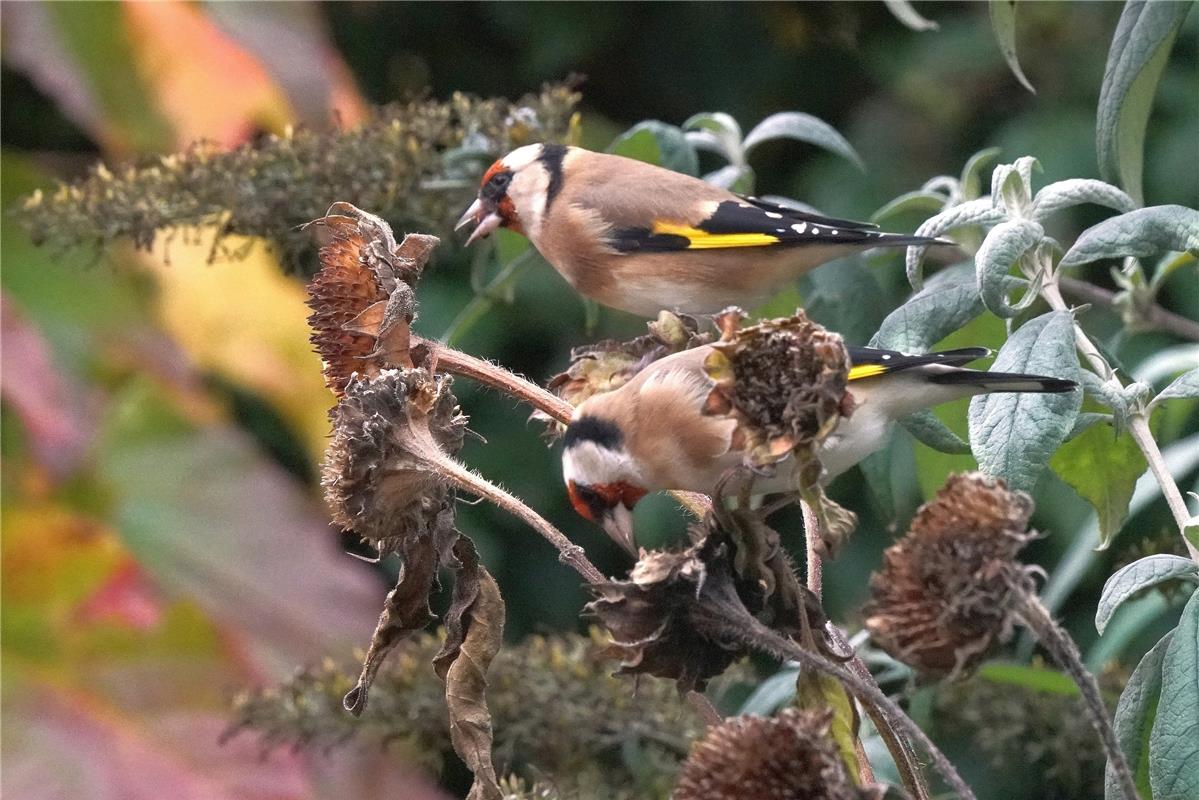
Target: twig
[[1059, 644], [1138, 424], [1154, 317]]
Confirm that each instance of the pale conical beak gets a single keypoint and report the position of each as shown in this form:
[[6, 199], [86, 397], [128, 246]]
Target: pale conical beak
[[618, 524], [486, 220]]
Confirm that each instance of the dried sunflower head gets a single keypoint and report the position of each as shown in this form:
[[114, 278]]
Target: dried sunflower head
[[784, 381], [602, 367], [380, 473], [362, 299], [787, 757], [945, 594]]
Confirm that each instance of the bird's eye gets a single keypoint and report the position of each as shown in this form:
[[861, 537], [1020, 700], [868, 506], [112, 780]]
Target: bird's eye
[[500, 179]]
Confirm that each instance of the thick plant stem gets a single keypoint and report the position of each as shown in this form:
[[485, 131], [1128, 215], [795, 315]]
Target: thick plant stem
[[897, 744], [1138, 424], [1033, 613], [766, 640], [568, 552], [1155, 317]]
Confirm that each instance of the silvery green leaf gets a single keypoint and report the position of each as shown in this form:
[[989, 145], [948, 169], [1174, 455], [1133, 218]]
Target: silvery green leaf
[[658, 143], [971, 183], [1139, 575], [844, 296], [1011, 185], [947, 302], [1143, 233], [1005, 244], [931, 431], [1138, 54], [735, 178], [1134, 717], [718, 132], [1077, 191], [922, 201], [772, 693], [1013, 434], [1166, 363], [1003, 20], [804, 128], [1173, 745], [1186, 385], [902, 10], [973, 212]]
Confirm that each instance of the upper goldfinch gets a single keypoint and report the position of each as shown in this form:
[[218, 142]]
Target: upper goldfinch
[[641, 238], [652, 434]]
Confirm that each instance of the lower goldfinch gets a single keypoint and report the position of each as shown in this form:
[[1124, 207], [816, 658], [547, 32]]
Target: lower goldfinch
[[652, 433], [642, 238]]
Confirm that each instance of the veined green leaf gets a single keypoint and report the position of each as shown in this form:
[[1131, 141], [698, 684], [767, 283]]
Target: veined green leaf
[[804, 128], [1103, 468], [943, 306], [971, 183], [1139, 575], [1077, 191], [1144, 233], [815, 690], [771, 694], [716, 132], [1014, 434], [844, 296], [1038, 679], [1173, 743], [1006, 243], [1134, 718], [1003, 21], [931, 431], [1138, 54], [925, 202], [658, 143]]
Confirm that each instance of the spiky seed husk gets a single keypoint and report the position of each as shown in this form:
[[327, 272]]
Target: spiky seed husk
[[788, 757], [607, 365], [379, 473], [944, 597], [784, 380]]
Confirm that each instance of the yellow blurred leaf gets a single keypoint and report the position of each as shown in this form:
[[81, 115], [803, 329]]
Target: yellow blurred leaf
[[246, 321]]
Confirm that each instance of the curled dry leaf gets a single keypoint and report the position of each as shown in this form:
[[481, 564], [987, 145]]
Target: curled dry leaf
[[607, 365], [474, 632], [363, 300], [946, 593], [678, 614], [769, 758]]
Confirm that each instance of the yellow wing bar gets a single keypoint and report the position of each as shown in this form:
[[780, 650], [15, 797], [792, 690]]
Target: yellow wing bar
[[866, 371], [701, 240]]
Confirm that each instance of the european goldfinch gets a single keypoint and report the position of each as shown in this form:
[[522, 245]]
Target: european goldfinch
[[652, 434], [641, 238]]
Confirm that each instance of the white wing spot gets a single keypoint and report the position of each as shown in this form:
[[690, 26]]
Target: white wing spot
[[834, 231], [799, 227], [773, 215], [886, 358], [781, 230]]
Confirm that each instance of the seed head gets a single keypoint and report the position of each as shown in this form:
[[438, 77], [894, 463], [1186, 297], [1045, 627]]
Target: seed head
[[944, 597]]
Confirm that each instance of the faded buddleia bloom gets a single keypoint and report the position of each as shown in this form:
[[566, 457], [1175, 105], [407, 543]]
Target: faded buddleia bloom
[[788, 757], [947, 592]]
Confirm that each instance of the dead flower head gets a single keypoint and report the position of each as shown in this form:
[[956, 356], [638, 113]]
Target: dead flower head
[[390, 434], [784, 380], [362, 299], [769, 758], [944, 597], [602, 367]]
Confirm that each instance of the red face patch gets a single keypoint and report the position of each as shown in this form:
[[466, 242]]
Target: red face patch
[[592, 501]]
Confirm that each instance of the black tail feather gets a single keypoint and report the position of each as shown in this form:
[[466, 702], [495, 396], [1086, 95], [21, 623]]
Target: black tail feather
[[1003, 381]]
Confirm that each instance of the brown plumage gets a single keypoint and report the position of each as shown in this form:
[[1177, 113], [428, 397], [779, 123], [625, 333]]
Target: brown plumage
[[642, 238]]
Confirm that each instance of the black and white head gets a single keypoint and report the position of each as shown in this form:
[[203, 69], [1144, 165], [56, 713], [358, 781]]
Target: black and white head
[[601, 477], [516, 191]]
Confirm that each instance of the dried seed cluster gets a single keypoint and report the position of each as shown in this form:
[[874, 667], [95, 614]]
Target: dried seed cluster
[[784, 380], [787, 757], [944, 596]]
